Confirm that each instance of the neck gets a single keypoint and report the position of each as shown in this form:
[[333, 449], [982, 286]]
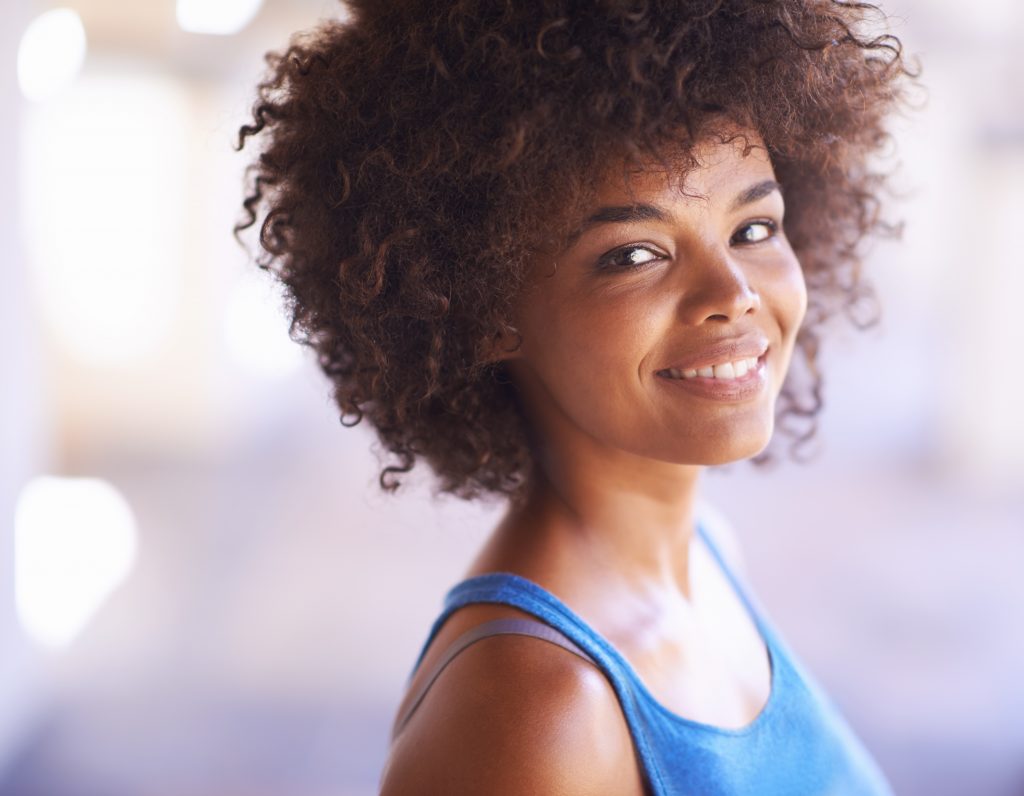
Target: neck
[[602, 521]]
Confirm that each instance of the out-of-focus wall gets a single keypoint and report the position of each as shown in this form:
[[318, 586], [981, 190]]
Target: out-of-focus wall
[[259, 636], [24, 409]]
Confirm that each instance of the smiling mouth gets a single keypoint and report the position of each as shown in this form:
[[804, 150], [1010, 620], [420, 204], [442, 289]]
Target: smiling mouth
[[725, 371]]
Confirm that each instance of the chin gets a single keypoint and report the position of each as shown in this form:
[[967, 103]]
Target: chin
[[737, 454], [732, 445]]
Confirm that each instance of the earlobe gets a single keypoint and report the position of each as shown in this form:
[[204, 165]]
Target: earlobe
[[504, 345]]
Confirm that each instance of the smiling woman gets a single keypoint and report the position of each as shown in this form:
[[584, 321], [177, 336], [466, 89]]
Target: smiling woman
[[666, 329], [543, 248]]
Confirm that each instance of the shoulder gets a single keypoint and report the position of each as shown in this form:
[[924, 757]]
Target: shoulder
[[514, 714]]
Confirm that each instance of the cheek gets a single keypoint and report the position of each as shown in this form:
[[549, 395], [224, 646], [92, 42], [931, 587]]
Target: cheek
[[789, 303], [590, 328], [582, 351], [787, 294], [797, 294], [798, 276]]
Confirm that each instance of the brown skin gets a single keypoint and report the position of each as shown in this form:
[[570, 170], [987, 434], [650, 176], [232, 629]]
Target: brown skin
[[608, 522], [410, 164], [508, 716]]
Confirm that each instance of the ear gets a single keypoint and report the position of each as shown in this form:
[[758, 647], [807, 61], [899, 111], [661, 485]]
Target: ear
[[503, 345]]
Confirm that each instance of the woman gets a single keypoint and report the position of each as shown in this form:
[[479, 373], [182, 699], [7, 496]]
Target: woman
[[541, 247]]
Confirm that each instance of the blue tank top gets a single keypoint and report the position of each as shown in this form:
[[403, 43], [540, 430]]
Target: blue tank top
[[799, 745]]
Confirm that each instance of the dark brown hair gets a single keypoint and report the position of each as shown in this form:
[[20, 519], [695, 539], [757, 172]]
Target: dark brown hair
[[414, 155]]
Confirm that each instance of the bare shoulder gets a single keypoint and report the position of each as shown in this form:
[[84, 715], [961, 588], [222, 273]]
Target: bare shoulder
[[515, 714]]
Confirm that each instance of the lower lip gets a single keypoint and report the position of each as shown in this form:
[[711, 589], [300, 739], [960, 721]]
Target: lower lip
[[749, 386]]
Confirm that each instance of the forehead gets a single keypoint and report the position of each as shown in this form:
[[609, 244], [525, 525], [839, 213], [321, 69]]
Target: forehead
[[710, 171], [713, 174]]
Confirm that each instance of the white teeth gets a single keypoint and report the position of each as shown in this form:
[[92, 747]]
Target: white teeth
[[727, 370]]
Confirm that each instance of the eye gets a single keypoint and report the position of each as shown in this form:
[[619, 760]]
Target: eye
[[754, 232], [628, 258]]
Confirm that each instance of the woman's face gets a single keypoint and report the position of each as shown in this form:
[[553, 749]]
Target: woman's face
[[666, 328]]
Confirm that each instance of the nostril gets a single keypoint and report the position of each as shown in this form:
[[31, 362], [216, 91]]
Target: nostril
[[723, 294]]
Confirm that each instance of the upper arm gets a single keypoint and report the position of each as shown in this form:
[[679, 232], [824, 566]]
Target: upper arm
[[515, 715]]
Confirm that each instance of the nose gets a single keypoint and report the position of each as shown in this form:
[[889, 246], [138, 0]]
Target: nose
[[715, 288]]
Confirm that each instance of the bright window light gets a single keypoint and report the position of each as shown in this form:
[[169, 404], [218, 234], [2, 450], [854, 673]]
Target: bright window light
[[104, 179], [218, 17], [51, 53], [74, 543], [256, 328]]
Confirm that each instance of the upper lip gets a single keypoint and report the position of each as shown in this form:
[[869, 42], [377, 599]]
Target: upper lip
[[730, 350]]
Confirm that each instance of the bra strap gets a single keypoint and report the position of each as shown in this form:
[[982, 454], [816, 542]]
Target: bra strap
[[495, 627]]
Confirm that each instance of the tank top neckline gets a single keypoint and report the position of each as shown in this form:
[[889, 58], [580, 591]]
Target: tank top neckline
[[490, 580]]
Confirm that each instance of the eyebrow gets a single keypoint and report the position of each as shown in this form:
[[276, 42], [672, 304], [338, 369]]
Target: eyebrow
[[622, 214], [631, 214], [755, 192]]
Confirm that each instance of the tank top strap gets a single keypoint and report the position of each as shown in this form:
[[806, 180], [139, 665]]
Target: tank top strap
[[501, 588], [797, 735], [495, 627], [506, 588]]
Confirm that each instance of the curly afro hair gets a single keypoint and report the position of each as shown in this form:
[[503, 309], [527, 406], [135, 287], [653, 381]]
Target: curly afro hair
[[413, 155]]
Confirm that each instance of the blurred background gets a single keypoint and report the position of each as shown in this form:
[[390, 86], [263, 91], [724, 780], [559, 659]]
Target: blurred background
[[202, 590]]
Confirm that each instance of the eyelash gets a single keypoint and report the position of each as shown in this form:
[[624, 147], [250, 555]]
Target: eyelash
[[606, 262], [773, 229]]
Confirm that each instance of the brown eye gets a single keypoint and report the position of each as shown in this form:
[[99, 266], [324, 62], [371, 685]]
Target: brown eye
[[627, 258], [754, 232]]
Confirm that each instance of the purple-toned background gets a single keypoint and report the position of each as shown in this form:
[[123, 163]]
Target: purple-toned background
[[255, 638]]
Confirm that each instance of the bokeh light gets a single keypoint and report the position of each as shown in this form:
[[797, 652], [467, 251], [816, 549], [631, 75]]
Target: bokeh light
[[51, 53], [103, 214], [217, 17], [262, 641], [74, 544]]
